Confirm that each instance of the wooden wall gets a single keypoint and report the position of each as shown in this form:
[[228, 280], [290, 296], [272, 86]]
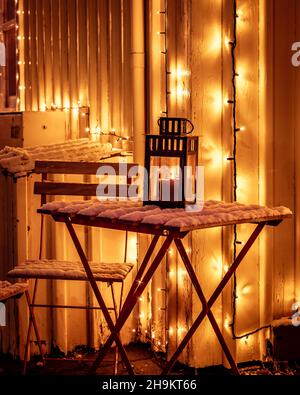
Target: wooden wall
[[75, 53], [268, 280], [82, 53]]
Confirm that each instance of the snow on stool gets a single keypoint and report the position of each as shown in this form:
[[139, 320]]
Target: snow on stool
[[8, 290], [65, 270]]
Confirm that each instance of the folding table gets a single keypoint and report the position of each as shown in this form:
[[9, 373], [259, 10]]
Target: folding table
[[170, 225]]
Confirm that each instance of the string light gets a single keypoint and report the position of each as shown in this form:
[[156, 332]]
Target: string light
[[233, 101]]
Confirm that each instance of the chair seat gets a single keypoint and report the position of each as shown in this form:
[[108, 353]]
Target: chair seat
[[65, 270], [8, 290]]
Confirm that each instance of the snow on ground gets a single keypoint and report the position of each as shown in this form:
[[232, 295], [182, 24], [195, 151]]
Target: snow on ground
[[213, 212], [20, 161]]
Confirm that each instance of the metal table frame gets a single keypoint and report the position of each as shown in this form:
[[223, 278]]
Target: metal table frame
[[146, 272]]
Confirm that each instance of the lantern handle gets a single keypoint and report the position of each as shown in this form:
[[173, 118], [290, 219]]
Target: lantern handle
[[191, 126]]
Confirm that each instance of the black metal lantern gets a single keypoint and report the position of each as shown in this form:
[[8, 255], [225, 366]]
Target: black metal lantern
[[171, 160]]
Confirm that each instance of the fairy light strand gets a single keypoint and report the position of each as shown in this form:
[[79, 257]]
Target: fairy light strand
[[236, 129]]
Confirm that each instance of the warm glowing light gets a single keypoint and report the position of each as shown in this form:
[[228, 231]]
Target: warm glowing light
[[132, 253], [43, 107], [216, 159], [87, 129], [239, 13], [227, 41], [97, 130], [226, 267], [217, 101], [246, 290], [182, 73], [153, 335], [181, 272], [181, 330], [141, 298], [141, 315], [133, 330], [170, 251], [171, 331], [226, 323], [215, 42], [182, 92]]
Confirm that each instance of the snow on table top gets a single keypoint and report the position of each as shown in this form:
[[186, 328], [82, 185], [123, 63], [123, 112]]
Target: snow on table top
[[213, 213], [21, 161]]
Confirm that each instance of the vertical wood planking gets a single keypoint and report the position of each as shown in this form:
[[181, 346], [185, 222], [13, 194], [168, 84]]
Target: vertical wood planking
[[27, 66], [92, 57], [73, 53], [115, 64], [247, 176], [266, 160], [82, 51], [227, 170], [103, 76], [297, 164], [33, 56], [64, 72], [40, 55], [56, 53], [48, 53], [156, 71], [284, 117], [206, 85], [73, 67], [21, 57], [126, 71], [172, 31]]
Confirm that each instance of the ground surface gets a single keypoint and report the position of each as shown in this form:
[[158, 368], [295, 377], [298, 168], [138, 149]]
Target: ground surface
[[144, 361]]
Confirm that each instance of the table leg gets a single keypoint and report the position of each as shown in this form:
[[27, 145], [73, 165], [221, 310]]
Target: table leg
[[214, 296], [194, 279], [139, 286], [92, 281]]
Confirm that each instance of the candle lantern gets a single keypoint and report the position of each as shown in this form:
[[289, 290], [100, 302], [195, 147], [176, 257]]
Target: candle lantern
[[171, 162]]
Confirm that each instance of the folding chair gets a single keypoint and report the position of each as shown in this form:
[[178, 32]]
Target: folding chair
[[111, 273]]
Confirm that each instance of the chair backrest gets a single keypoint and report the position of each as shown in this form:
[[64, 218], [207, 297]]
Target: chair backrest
[[46, 187]]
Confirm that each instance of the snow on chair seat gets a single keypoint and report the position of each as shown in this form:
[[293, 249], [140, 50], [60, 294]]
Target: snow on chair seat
[[65, 270], [8, 290]]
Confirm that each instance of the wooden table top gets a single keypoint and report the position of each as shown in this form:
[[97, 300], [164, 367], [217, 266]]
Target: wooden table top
[[133, 216]]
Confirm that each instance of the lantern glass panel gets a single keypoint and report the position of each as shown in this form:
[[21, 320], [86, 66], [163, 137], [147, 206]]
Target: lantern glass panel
[[190, 181], [165, 179]]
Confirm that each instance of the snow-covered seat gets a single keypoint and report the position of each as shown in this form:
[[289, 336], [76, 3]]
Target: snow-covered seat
[[112, 273], [8, 290], [69, 270]]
